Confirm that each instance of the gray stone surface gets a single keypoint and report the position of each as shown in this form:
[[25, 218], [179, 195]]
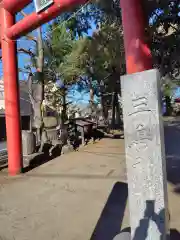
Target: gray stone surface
[[81, 189], [3, 145], [64, 199], [28, 142], [66, 149], [145, 157], [123, 236]]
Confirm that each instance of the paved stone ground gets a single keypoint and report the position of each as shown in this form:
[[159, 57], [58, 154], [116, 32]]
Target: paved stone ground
[[78, 196]]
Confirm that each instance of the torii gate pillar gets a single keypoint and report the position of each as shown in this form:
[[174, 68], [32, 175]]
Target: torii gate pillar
[[138, 54], [143, 131], [11, 91]]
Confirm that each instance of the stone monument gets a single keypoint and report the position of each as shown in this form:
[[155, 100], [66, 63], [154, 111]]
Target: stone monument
[[123, 236], [145, 156]]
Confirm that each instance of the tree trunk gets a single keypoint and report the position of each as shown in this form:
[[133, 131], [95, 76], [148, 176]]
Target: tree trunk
[[168, 106], [104, 110], [64, 110], [36, 90], [40, 50], [118, 113], [91, 93], [113, 110]]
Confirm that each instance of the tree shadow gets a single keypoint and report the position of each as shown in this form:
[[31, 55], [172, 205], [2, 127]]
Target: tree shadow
[[109, 223], [172, 147], [141, 232], [4, 166], [36, 160], [42, 159], [114, 136], [174, 234]]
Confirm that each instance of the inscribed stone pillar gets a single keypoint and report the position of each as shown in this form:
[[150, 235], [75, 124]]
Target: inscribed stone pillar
[[145, 155]]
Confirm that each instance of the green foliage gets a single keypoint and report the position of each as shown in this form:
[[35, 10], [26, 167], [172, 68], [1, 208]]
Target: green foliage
[[88, 60], [102, 54], [167, 90], [73, 57], [72, 67], [56, 50], [78, 20], [164, 29]]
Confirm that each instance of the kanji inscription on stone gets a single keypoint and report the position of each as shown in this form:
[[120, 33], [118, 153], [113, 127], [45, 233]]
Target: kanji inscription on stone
[[145, 157], [41, 5]]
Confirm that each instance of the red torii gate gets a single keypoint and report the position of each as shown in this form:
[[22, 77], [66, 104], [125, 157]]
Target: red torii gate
[[138, 56]]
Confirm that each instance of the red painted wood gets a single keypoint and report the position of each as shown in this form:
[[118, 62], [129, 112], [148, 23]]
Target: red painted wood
[[14, 6], [11, 90], [35, 20], [137, 51]]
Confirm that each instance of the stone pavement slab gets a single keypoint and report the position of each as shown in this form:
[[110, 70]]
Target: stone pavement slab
[[64, 198], [78, 196]]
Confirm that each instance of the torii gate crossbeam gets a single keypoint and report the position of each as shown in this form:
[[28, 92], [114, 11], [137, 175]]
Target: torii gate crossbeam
[[14, 6], [35, 20], [138, 56]]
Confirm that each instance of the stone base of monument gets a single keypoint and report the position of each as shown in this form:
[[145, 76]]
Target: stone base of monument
[[28, 159], [67, 149], [123, 236], [145, 155], [29, 148]]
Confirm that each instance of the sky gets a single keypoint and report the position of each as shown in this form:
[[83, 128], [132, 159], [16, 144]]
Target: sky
[[75, 96], [22, 59], [24, 43], [177, 92]]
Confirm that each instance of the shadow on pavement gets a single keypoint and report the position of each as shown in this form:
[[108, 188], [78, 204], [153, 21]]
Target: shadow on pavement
[[41, 159], [141, 232], [172, 146], [174, 234], [110, 221], [114, 136]]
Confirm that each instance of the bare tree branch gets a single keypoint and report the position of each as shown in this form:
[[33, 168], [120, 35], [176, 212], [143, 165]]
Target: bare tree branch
[[29, 37], [24, 71], [40, 59], [29, 52], [30, 88], [23, 13], [172, 26]]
